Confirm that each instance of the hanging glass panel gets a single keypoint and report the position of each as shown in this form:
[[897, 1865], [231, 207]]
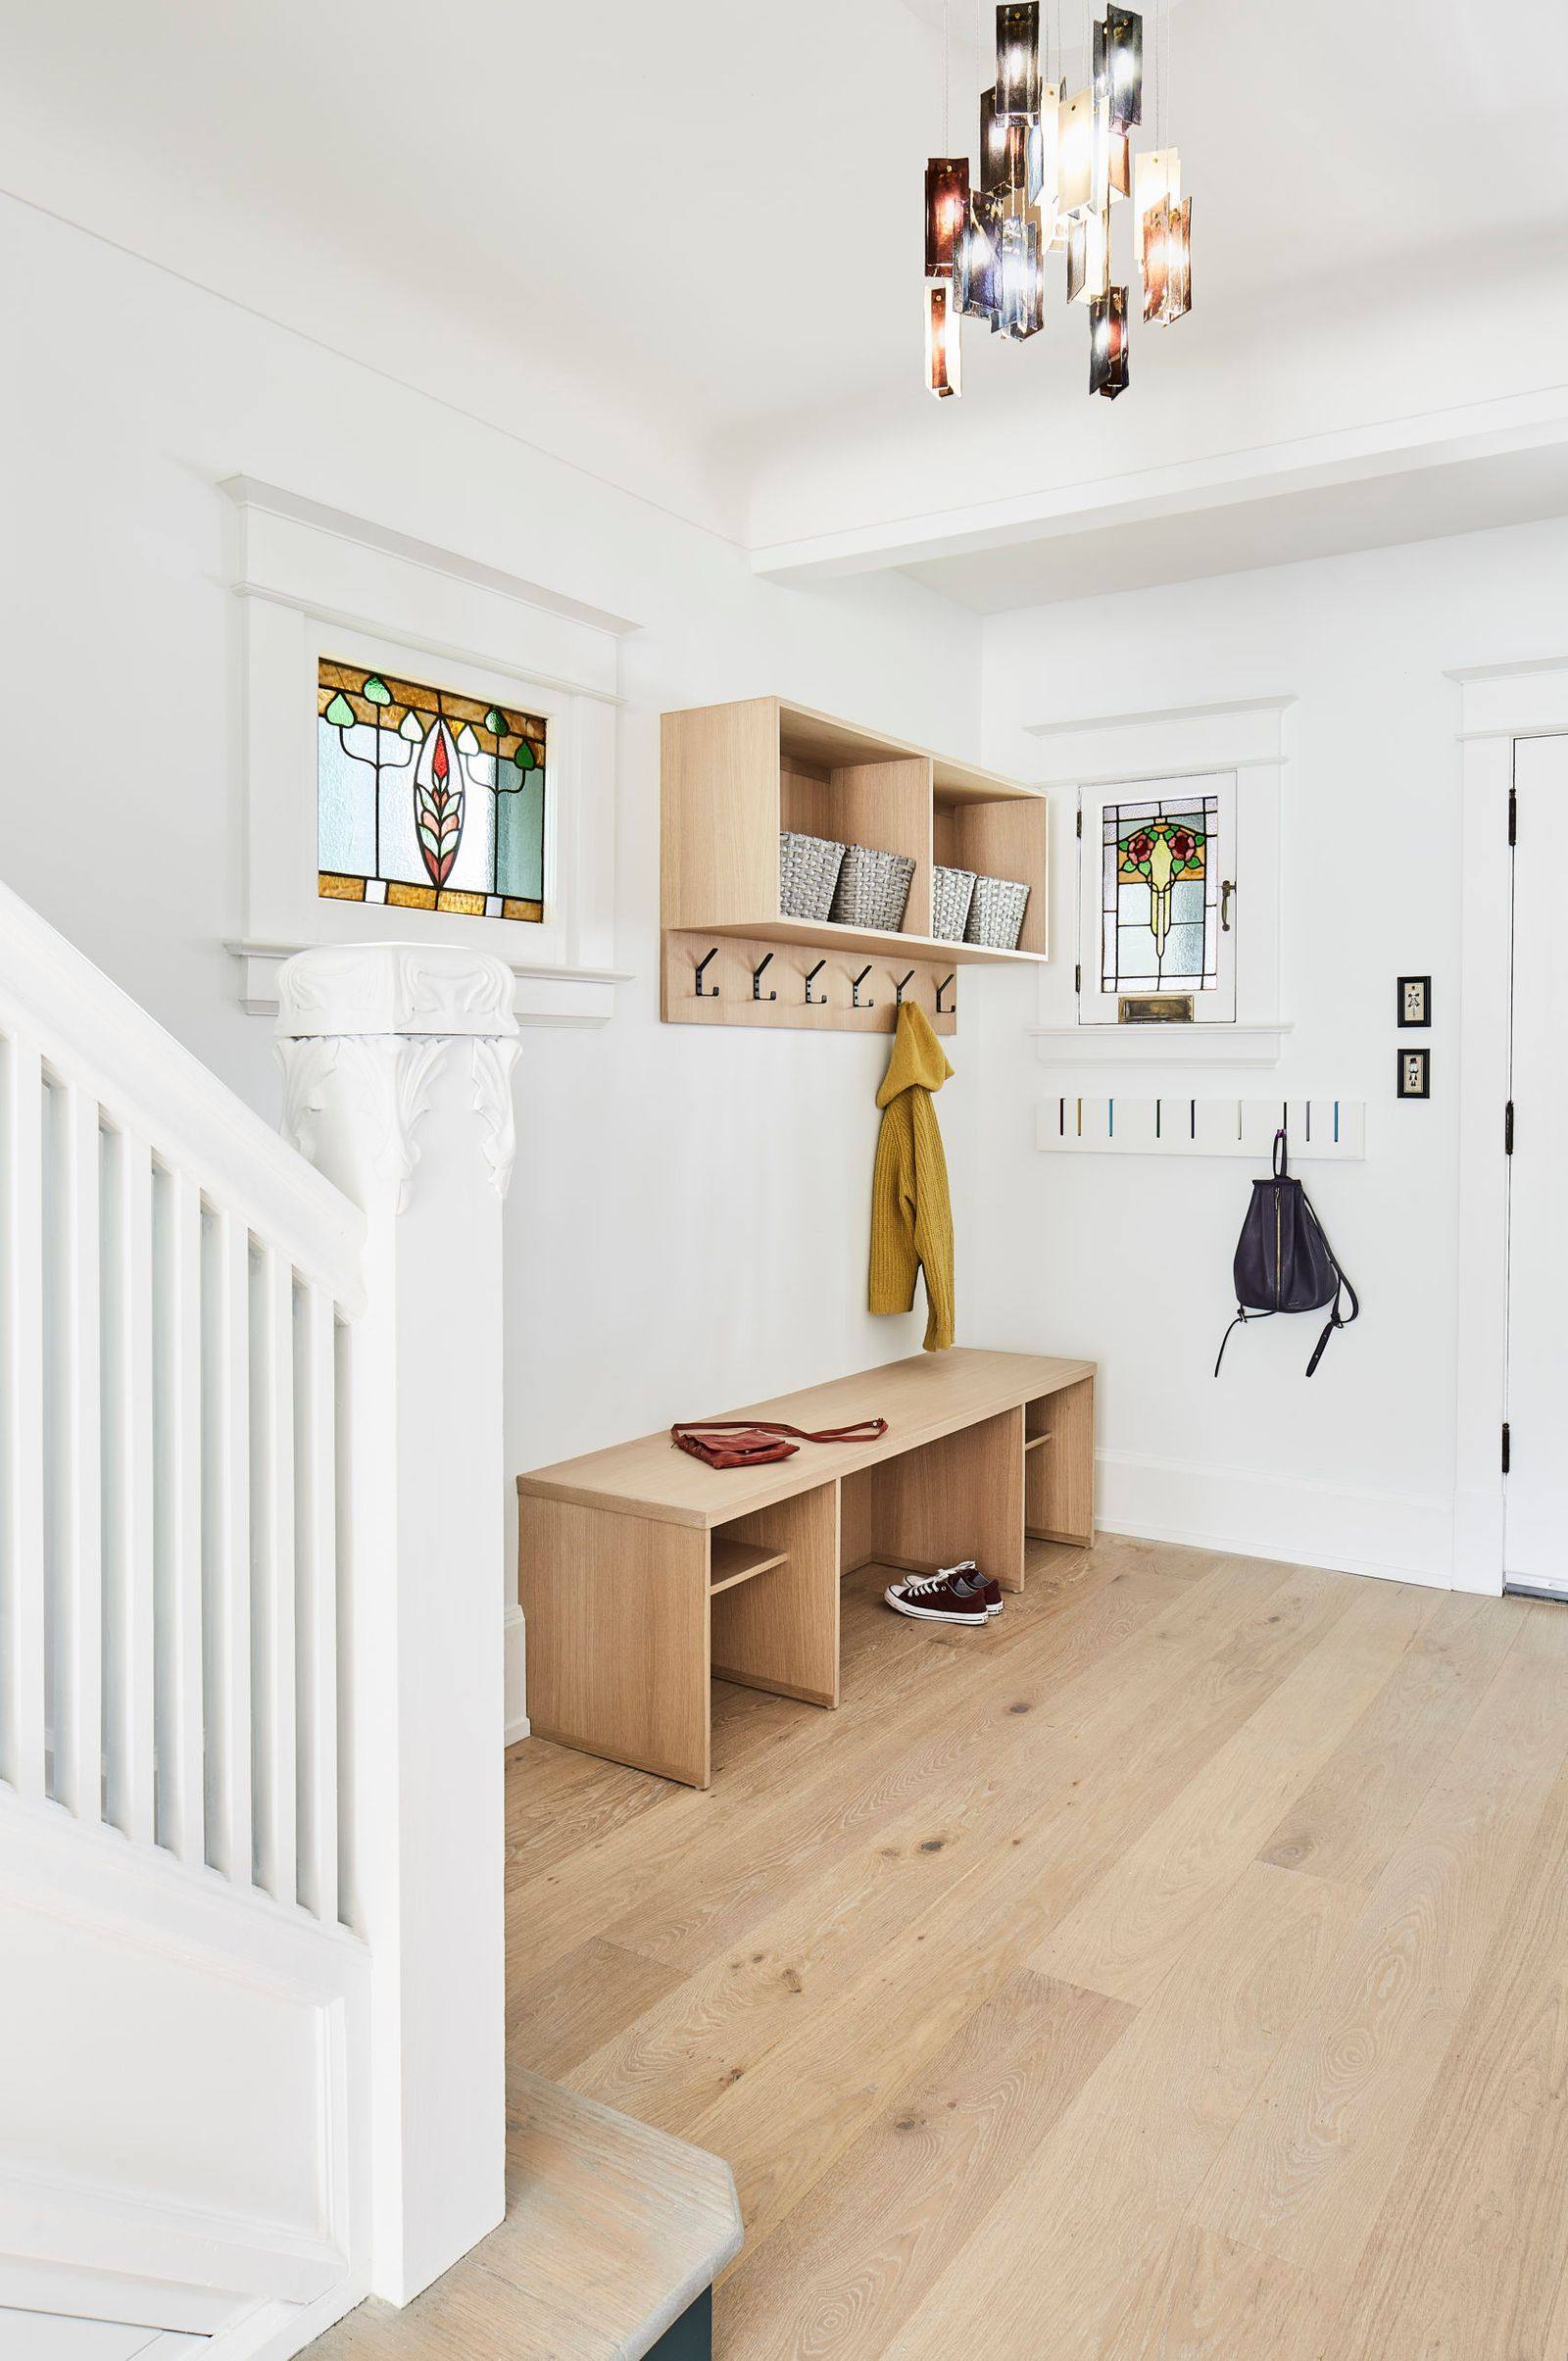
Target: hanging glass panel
[[947, 207], [426, 799], [1159, 895], [1018, 58], [1124, 60]]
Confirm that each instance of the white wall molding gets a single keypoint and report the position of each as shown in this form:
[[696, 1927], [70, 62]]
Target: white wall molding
[[301, 552], [313, 582], [1497, 703], [1400, 1536], [1085, 755], [197, 1985], [516, 1644]]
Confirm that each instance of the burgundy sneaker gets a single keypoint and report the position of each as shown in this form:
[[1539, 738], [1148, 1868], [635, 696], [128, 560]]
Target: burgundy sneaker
[[968, 1574], [935, 1598]]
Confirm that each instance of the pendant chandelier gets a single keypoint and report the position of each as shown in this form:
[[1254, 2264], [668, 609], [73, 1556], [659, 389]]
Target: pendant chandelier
[[1052, 170]]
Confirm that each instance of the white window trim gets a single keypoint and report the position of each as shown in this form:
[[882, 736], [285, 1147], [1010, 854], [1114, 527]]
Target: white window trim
[[1214, 1005], [310, 581], [1133, 752], [1498, 703]]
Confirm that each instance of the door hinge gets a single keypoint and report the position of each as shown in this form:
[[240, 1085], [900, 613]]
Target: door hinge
[[1079, 829], [1513, 816], [1506, 1451], [1507, 1129], [1078, 978]]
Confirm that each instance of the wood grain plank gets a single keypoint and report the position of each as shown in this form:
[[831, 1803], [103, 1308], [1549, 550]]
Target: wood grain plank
[[878, 2229], [1142, 1914], [1348, 1820], [1311, 2164], [1105, 2192], [1469, 2254], [1204, 2298], [555, 2020], [786, 2119]]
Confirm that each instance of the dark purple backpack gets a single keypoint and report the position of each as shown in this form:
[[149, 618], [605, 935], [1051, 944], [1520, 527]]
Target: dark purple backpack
[[1284, 1263]]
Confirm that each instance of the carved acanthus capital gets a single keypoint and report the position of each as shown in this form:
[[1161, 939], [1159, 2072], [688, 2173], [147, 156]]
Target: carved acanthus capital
[[364, 1029]]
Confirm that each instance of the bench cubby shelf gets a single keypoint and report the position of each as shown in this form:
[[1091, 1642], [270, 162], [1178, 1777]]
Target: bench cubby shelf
[[645, 1576], [734, 776]]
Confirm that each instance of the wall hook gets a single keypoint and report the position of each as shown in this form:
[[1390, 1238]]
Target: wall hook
[[855, 981], [900, 989], [705, 991], [757, 979], [940, 988], [812, 999]]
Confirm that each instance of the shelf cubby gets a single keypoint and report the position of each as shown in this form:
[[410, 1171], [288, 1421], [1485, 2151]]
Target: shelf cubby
[[735, 775]]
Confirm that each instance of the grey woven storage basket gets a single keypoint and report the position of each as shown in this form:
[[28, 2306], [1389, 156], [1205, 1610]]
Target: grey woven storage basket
[[873, 888], [807, 871], [996, 915], [952, 891]]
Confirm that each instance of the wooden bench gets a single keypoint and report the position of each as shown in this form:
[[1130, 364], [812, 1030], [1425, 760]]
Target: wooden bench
[[644, 1575]]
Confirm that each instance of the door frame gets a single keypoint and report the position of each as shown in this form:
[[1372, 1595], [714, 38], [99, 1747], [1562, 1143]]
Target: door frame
[[1498, 704]]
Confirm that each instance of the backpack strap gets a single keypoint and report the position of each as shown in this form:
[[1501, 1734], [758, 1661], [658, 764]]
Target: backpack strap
[[1240, 1321], [1336, 1318]]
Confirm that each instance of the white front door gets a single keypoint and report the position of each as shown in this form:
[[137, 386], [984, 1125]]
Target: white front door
[[1536, 1490]]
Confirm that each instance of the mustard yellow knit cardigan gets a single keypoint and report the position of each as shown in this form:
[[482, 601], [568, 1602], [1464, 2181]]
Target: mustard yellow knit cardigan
[[911, 1215]]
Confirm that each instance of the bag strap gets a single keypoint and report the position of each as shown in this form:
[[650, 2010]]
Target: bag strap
[[865, 1430], [1282, 1157], [1240, 1321], [1336, 1318]]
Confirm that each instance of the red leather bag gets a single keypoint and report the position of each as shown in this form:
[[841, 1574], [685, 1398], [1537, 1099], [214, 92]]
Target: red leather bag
[[743, 1442]]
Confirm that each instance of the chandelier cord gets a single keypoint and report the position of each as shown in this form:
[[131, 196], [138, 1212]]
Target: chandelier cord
[[947, 75]]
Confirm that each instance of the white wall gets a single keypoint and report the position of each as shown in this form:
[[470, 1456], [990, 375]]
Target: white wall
[[1127, 1258], [687, 1227]]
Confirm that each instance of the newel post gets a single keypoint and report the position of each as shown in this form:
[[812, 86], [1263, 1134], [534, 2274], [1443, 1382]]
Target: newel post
[[397, 1068]]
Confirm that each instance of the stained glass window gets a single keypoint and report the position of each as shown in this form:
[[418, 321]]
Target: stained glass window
[[426, 799], [1161, 894]]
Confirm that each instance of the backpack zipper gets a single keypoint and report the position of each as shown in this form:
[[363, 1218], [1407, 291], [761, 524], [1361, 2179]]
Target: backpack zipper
[[1278, 1251]]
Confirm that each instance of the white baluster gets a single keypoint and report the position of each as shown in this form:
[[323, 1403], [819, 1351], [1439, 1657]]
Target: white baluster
[[21, 1723], [316, 1525], [227, 1554], [272, 1571], [177, 1515], [78, 1741], [128, 1600]]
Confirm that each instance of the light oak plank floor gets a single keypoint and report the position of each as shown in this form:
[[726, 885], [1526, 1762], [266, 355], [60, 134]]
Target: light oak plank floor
[[1178, 1967]]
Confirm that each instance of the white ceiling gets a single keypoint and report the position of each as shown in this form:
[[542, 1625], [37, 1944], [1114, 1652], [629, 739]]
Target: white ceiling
[[680, 247]]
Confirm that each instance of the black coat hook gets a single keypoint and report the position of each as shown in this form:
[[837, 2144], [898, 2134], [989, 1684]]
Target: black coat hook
[[900, 989], [812, 999], [855, 981], [757, 979], [940, 988], [705, 991]]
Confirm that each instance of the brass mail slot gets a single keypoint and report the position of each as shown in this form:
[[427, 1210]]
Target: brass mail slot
[[1160, 1008]]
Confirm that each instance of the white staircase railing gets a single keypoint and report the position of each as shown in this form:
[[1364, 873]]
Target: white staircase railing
[[173, 1285], [251, 1592]]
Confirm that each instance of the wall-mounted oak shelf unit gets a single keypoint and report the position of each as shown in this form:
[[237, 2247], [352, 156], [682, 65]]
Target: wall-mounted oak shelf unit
[[734, 776]]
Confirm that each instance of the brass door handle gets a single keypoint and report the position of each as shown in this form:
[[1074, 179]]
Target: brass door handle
[[1227, 888]]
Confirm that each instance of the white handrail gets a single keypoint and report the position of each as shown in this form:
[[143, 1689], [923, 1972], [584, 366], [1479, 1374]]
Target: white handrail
[[150, 1084], [173, 1278]]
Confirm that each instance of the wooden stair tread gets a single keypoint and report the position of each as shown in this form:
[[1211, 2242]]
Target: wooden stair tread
[[613, 2231], [735, 1561]]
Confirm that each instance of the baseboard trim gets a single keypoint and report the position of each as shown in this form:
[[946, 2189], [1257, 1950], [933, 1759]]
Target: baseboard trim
[[1393, 1537], [517, 1707], [275, 2331]]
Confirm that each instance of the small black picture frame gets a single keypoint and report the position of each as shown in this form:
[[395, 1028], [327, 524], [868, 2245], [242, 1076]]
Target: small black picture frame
[[1415, 1000], [1413, 1074]]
